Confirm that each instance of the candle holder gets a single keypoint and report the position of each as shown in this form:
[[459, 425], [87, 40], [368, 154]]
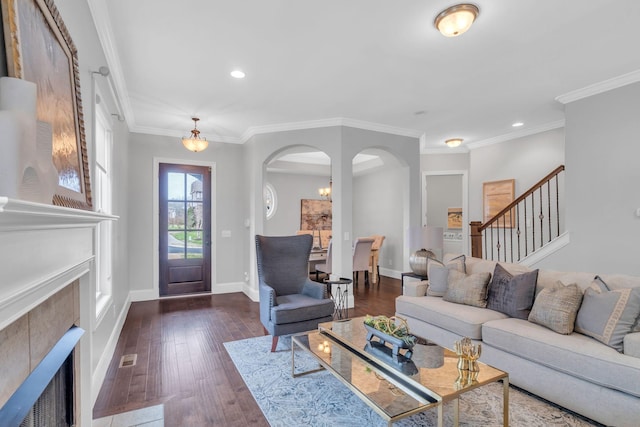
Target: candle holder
[[468, 355]]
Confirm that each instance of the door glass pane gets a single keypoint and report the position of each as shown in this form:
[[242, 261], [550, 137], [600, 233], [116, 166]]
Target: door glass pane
[[194, 186], [175, 188], [175, 215], [194, 244], [194, 216], [176, 244]]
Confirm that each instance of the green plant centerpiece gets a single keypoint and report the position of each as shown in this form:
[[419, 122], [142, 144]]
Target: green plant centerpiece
[[393, 330]]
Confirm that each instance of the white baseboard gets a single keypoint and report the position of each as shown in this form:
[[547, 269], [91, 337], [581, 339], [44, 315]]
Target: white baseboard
[[102, 367], [143, 295], [251, 292], [555, 245], [387, 272], [227, 288]]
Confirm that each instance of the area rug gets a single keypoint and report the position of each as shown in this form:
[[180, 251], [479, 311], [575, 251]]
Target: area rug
[[320, 399]]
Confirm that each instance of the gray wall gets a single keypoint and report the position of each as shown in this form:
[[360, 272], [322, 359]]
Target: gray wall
[[444, 192], [526, 159], [341, 143], [377, 210], [290, 189], [227, 207], [602, 153]]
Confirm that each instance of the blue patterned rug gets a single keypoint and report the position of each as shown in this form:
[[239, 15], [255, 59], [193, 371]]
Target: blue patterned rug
[[320, 399]]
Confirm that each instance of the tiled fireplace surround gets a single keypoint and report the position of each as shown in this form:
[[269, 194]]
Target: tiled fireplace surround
[[47, 284]]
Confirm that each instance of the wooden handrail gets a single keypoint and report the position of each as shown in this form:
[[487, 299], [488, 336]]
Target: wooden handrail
[[524, 195]]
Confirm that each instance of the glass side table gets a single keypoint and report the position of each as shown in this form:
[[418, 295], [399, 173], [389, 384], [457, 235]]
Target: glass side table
[[340, 299]]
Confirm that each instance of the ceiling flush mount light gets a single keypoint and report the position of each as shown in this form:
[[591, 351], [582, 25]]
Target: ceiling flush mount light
[[238, 74], [457, 19], [517, 124], [453, 143], [194, 142]]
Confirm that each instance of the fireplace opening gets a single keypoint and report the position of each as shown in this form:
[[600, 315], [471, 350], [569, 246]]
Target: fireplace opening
[[46, 397]]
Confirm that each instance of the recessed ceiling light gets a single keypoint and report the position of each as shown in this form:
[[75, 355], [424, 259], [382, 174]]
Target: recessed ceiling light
[[238, 74], [517, 124]]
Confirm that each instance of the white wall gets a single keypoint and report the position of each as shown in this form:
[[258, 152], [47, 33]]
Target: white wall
[[602, 177]]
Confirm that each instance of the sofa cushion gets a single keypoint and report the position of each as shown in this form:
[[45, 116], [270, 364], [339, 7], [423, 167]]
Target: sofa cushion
[[556, 307], [632, 344], [608, 315], [512, 295], [467, 289], [438, 274], [463, 320], [574, 354]]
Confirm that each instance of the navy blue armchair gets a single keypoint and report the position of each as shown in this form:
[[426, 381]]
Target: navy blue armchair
[[289, 301]]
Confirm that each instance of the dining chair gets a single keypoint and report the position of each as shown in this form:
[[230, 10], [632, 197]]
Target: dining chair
[[375, 255], [361, 258], [325, 267]]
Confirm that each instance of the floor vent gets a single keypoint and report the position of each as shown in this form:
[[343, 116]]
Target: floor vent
[[128, 360]]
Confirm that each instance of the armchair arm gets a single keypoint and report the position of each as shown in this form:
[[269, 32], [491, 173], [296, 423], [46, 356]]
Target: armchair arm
[[315, 290], [267, 295]]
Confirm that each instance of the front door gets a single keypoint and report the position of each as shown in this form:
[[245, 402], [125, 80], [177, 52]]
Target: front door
[[185, 229]]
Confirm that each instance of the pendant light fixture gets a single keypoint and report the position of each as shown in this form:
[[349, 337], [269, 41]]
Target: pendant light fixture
[[194, 142], [457, 19]]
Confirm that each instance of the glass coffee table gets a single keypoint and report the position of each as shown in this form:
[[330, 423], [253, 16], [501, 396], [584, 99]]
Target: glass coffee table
[[394, 387]]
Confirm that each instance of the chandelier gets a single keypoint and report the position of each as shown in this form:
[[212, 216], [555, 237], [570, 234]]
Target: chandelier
[[326, 191], [194, 142]]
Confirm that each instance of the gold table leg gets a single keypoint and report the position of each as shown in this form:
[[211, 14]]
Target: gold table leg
[[505, 402], [456, 412]]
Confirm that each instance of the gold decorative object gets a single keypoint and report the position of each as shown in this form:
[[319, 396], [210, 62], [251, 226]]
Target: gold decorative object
[[468, 355]]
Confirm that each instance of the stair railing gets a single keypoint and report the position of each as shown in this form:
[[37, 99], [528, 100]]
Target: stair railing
[[515, 232]]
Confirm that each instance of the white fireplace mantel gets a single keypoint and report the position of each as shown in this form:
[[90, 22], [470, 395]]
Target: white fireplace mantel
[[42, 248], [18, 215]]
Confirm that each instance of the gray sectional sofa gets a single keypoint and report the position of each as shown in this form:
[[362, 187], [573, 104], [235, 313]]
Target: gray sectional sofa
[[574, 371]]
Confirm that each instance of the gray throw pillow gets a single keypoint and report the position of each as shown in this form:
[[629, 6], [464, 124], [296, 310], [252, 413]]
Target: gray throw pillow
[[608, 315], [438, 274], [556, 307], [468, 290], [512, 295]]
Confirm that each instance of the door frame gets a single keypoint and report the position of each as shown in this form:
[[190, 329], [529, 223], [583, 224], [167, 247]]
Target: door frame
[[156, 220], [466, 248]]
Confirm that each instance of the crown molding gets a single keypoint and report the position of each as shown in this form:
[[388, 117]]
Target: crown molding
[[463, 149], [597, 88], [100, 14], [180, 134], [517, 134], [335, 121]]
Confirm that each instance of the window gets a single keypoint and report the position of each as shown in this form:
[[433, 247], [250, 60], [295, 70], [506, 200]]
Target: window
[[103, 204], [270, 200]]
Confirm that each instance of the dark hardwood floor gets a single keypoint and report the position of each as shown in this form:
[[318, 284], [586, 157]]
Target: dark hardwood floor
[[182, 363]]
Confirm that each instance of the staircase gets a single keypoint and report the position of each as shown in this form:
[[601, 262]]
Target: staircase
[[529, 223]]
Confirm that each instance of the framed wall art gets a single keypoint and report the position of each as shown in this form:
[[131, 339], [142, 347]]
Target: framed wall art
[[454, 218], [40, 50], [315, 214], [496, 195]]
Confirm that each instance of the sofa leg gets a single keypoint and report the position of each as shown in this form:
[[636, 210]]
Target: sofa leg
[[274, 344]]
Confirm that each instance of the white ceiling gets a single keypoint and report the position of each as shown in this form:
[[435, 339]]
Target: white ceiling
[[376, 63]]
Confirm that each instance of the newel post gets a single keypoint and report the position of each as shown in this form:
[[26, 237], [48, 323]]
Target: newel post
[[476, 239]]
